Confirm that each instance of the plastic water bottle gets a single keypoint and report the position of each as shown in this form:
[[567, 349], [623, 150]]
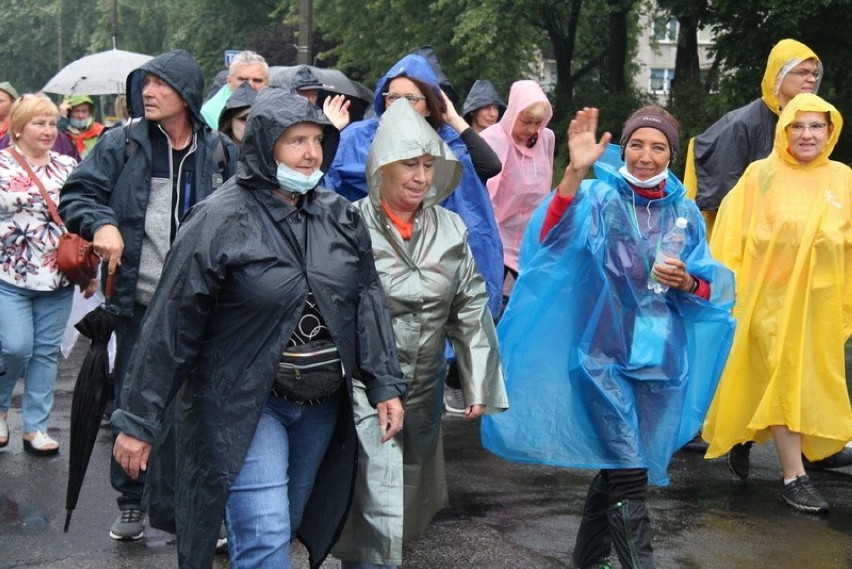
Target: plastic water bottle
[[671, 247]]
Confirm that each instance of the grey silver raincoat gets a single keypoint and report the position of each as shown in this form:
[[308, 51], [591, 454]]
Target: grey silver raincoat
[[233, 287], [435, 293]]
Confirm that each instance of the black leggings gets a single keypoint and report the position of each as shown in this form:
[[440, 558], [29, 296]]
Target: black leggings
[[625, 484]]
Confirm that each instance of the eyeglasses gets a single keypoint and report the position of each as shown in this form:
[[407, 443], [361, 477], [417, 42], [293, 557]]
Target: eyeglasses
[[410, 97], [804, 74], [814, 127]]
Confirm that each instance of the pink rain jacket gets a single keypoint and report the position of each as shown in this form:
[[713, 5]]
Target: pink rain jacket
[[527, 175]]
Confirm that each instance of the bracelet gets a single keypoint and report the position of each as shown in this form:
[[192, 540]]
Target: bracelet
[[695, 285]]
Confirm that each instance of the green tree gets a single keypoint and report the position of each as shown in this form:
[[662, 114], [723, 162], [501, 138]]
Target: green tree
[[38, 38], [591, 42], [208, 28], [471, 41]]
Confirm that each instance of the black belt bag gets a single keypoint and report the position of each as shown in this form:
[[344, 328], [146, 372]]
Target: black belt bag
[[309, 373]]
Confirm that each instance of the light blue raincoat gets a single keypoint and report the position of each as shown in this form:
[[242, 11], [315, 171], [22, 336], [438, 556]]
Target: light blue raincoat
[[602, 372]]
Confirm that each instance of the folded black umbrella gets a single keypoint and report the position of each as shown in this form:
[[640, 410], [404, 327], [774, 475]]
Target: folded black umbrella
[[90, 395]]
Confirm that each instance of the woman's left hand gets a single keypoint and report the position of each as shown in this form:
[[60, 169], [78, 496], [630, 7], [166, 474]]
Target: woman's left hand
[[452, 117], [390, 417], [337, 110], [674, 275], [474, 411]]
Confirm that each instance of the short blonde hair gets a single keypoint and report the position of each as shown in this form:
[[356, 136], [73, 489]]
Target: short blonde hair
[[537, 111], [27, 107]]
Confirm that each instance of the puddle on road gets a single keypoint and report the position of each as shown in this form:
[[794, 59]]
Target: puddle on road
[[19, 518]]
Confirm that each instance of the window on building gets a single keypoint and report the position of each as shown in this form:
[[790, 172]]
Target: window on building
[[666, 30], [661, 80]]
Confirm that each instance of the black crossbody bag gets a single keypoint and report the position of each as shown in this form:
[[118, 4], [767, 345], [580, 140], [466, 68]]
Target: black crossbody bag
[[309, 373]]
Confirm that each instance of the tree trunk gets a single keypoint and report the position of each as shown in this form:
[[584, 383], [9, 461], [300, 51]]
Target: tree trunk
[[616, 69], [563, 38]]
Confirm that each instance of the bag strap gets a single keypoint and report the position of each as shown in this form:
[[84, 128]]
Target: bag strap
[[50, 205]]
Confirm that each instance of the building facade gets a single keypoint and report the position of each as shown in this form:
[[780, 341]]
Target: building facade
[[656, 53]]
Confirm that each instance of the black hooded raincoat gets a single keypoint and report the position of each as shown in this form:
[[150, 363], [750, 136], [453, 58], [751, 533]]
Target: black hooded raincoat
[[233, 288]]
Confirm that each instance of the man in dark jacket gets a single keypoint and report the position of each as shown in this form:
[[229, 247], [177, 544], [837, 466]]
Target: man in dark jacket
[[129, 196], [723, 151], [269, 262]]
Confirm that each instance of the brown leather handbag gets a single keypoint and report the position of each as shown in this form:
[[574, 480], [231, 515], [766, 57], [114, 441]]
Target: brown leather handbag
[[75, 257]]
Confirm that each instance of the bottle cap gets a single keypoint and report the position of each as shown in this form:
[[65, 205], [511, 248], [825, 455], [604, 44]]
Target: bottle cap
[[681, 222]]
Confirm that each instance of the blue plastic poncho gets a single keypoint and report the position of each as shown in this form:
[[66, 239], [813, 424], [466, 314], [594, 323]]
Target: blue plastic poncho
[[470, 199], [602, 372]]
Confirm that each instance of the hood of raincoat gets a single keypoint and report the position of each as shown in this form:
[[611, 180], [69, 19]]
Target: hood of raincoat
[[243, 97], [79, 100], [305, 79], [177, 68], [402, 134], [7, 87], [273, 112], [411, 65], [523, 94], [428, 52], [786, 55], [806, 102], [482, 94]]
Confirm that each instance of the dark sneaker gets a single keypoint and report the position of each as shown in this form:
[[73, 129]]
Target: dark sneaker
[[803, 495], [129, 526], [738, 461], [453, 401]]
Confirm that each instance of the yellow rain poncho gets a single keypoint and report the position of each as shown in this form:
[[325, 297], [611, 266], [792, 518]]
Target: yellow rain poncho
[[786, 231]]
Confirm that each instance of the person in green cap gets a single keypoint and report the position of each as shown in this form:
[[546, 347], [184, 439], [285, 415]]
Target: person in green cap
[[8, 94], [78, 122]]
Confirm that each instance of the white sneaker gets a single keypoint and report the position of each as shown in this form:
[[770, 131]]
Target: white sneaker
[[222, 540]]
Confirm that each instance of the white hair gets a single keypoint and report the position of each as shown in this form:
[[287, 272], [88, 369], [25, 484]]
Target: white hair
[[247, 58]]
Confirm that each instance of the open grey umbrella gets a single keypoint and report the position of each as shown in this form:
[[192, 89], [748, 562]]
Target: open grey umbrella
[[102, 73], [328, 80], [90, 395]]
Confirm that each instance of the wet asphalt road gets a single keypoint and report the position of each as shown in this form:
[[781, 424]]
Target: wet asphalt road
[[502, 515]]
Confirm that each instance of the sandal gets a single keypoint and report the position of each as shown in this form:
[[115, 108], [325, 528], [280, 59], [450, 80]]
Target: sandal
[[41, 444], [4, 432]]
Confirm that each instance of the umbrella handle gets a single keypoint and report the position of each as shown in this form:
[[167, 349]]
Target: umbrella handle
[[109, 287]]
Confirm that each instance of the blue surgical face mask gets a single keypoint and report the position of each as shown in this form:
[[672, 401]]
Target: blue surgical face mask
[[651, 182], [80, 124], [295, 182]]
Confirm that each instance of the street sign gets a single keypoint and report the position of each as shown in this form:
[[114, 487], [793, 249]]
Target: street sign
[[230, 54]]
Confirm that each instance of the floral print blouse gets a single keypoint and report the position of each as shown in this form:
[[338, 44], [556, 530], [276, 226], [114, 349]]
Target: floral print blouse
[[28, 236]]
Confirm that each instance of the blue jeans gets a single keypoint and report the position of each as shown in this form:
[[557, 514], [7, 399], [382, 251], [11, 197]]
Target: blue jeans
[[126, 334], [269, 495], [32, 323]]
